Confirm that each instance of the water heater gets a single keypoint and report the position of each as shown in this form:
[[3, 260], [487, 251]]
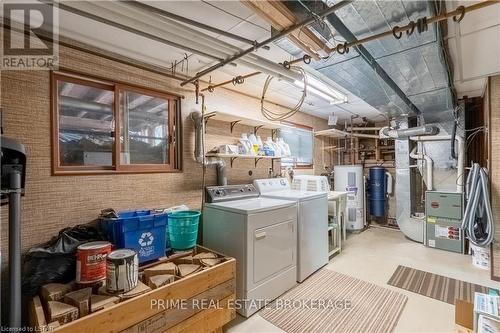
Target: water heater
[[349, 178]]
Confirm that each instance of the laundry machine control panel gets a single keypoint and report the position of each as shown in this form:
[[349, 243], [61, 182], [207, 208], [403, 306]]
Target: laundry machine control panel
[[230, 192]]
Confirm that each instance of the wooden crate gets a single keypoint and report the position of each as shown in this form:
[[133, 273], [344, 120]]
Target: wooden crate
[[216, 286]]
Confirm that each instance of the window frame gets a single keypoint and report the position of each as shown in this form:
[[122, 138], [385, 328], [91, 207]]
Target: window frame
[[174, 128], [303, 127]]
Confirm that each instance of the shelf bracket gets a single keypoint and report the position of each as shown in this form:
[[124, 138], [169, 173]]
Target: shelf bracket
[[233, 123], [257, 161], [256, 128], [207, 118], [232, 160]]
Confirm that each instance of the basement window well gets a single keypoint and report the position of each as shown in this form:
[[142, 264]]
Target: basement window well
[[106, 127]]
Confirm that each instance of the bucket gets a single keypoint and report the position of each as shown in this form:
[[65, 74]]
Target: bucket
[[183, 229], [480, 256]]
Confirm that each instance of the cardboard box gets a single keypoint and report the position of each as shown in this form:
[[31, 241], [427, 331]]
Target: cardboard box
[[464, 314]]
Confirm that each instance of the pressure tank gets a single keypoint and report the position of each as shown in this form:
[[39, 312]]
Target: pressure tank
[[377, 190], [349, 178]]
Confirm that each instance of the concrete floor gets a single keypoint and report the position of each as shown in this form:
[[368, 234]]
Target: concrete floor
[[373, 255]]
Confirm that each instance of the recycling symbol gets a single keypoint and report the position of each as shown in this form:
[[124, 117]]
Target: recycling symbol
[[146, 239]]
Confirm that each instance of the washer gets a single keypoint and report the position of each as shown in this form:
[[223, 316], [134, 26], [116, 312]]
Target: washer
[[312, 223], [260, 233]]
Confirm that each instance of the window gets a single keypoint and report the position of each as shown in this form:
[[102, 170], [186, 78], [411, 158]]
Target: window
[[301, 142], [112, 128]]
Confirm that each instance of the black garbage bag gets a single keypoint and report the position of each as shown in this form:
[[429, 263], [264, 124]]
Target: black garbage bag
[[55, 261]]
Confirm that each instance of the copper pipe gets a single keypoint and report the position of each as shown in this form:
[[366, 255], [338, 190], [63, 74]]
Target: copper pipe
[[410, 26], [213, 86], [434, 19]]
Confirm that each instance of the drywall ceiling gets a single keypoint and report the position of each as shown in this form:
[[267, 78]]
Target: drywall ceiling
[[474, 46], [231, 16]]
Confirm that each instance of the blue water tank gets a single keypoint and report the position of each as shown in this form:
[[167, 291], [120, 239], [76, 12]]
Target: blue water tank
[[377, 191]]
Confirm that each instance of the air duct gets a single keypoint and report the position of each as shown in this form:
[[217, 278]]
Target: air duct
[[408, 132], [198, 121]]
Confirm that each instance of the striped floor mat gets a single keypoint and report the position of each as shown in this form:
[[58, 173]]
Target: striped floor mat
[[435, 286], [332, 302]]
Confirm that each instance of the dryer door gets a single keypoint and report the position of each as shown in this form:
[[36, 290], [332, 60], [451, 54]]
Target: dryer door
[[273, 250]]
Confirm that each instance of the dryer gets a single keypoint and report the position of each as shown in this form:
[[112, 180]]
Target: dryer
[[260, 233], [312, 222]]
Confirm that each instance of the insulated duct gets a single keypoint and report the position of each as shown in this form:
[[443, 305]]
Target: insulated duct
[[198, 121], [408, 132]]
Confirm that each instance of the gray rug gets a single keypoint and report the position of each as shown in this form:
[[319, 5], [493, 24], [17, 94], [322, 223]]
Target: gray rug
[[435, 286], [332, 302]]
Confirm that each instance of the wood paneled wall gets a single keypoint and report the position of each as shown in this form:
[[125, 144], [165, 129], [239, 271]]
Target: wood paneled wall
[[492, 103], [55, 202]]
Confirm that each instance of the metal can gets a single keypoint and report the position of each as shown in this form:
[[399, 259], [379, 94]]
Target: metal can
[[122, 271], [91, 262]]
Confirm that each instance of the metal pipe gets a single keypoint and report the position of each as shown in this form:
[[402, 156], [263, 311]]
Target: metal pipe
[[15, 249], [410, 132], [370, 60], [271, 39], [213, 86], [127, 28], [198, 120], [186, 20], [199, 41], [433, 19]]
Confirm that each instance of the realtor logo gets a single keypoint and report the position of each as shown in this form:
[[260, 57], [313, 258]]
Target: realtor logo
[[29, 35]]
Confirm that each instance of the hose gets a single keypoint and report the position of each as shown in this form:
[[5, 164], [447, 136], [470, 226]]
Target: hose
[[276, 116], [478, 222]]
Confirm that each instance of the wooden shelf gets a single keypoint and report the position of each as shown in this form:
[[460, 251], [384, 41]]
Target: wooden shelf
[[332, 133], [233, 157], [234, 120], [339, 134]]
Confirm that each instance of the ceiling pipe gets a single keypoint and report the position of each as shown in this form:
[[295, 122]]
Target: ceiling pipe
[[277, 36], [428, 129], [195, 39], [342, 29], [127, 28], [186, 20]]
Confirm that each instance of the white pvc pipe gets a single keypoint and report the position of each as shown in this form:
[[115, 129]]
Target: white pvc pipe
[[389, 182], [460, 158], [429, 164]]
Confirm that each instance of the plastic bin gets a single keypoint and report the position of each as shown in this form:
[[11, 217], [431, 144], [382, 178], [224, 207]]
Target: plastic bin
[[141, 230], [183, 229]]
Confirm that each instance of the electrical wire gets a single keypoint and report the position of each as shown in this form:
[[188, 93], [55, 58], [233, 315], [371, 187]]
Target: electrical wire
[[277, 116]]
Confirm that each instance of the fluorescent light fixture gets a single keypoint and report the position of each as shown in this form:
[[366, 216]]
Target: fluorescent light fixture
[[320, 89]]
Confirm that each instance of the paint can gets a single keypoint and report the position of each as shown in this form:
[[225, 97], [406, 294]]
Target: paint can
[[91, 262], [122, 271]]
